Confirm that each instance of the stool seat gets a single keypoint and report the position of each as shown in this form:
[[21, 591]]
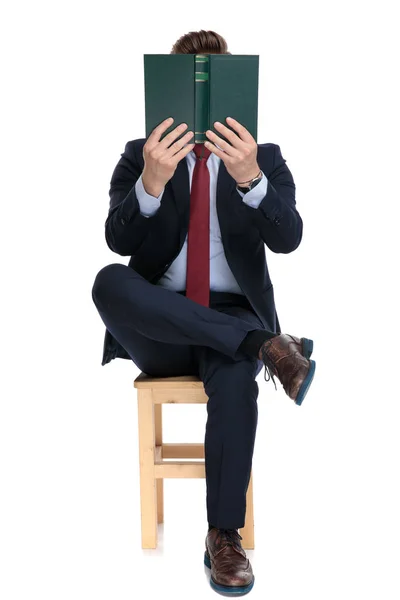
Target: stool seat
[[152, 393]]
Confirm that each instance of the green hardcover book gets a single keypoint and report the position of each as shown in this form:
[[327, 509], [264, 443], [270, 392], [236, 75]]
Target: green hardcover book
[[199, 89]]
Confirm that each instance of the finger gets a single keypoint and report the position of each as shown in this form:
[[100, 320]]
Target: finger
[[172, 136], [241, 130], [171, 151], [223, 155], [228, 149], [230, 135], [155, 135], [185, 150]]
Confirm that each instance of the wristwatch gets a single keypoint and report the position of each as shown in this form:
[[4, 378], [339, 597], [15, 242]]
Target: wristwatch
[[250, 184]]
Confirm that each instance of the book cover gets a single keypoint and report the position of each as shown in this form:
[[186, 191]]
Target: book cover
[[199, 89]]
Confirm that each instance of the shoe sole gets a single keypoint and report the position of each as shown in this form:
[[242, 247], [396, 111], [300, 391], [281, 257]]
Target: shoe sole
[[227, 589], [306, 383], [307, 347]]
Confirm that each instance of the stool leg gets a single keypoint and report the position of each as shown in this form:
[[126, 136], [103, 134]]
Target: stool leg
[[160, 482], [247, 532], [148, 496]]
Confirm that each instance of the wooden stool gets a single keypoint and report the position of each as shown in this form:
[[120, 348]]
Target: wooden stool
[[153, 392]]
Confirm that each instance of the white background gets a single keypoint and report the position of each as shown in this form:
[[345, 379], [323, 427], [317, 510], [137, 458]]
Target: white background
[[326, 473]]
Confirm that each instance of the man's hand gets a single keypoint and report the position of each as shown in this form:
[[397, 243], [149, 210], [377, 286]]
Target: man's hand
[[161, 158], [240, 159]]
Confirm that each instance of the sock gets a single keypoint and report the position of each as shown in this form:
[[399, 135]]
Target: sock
[[253, 341], [211, 526]]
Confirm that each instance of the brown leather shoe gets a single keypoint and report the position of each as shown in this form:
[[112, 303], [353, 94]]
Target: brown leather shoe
[[287, 357], [231, 570]]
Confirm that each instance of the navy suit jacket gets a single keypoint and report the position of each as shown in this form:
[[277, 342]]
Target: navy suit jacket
[[153, 243]]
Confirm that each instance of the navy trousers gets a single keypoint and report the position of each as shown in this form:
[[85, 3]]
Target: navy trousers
[[167, 334]]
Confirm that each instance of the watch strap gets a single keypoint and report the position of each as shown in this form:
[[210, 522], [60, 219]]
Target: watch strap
[[251, 185]]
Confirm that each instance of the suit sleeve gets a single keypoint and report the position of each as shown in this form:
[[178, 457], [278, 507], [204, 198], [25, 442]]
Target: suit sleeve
[[125, 227], [276, 217]]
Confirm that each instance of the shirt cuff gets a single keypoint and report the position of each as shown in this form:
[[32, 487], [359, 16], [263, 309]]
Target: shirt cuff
[[148, 204], [254, 197]]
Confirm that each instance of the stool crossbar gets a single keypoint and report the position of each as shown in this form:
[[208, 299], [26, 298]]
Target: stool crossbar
[[152, 393]]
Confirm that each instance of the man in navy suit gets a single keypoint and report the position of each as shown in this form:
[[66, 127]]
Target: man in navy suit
[[227, 340]]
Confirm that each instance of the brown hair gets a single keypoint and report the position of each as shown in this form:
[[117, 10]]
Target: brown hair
[[200, 42]]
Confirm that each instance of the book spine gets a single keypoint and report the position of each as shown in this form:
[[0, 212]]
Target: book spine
[[201, 98]]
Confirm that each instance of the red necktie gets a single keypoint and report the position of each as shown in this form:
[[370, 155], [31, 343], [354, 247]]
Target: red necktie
[[198, 253]]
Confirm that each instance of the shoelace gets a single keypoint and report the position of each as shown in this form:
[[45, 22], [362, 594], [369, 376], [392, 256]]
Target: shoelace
[[268, 367], [230, 535]]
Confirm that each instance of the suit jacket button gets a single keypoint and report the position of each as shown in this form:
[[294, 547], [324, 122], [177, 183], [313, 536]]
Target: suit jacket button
[[123, 221]]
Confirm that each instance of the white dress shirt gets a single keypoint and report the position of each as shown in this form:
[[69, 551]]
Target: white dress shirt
[[221, 276]]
